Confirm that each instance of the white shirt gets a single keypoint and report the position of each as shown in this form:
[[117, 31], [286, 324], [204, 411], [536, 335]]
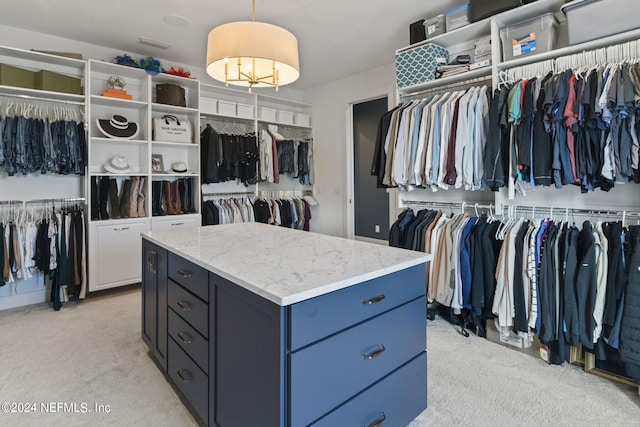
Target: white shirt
[[431, 175], [602, 269], [462, 135], [425, 125], [480, 139]]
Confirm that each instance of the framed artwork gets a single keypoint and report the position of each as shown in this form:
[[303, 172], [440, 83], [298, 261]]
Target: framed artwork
[[157, 165]]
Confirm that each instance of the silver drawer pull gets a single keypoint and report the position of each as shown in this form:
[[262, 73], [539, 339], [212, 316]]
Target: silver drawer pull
[[120, 229], [177, 223], [373, 300], [184, 305], [378, 422], [184, 380], [185, 273], [150, 263], [375, 353], [184, 340]]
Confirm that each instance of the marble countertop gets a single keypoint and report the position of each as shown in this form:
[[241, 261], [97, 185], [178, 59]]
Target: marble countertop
[[284, 265]]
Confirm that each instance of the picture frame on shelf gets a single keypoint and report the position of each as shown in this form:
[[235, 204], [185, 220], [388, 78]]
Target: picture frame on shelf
[[157, 164]]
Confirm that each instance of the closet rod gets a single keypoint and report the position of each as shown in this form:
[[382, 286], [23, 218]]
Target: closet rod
[[278, 193], [573, 211], [610, 53], [265, 125], [41, 98], [462, 84], [225, 119], [446, 204], [61, 200], [231, 194]]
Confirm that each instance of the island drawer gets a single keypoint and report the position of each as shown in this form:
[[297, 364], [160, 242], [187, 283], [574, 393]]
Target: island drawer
[[189, 307], [316, 318], [192, 382], [194, 344], [396, 400], [191, 276], [332, 371]]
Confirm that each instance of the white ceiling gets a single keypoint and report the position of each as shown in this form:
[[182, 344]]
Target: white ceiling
[[336, 38]]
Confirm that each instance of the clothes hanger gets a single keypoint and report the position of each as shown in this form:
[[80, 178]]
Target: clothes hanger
[[504, 80]]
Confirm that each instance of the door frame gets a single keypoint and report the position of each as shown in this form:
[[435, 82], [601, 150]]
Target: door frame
[[380, 93]]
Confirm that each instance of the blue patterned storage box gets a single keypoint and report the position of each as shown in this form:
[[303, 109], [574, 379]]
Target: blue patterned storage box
[[418, 65]]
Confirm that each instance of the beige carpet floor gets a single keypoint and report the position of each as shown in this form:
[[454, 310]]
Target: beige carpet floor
[[91, 353]]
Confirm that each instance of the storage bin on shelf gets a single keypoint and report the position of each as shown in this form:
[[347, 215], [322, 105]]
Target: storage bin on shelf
[[226, 108], [55, 82], [267, 114], [435, 26], [18, 77], [301, 119], [481, 9], [528, 37], [613, 16], [418, 65], [245, 111], [285, 117], [208, 106], [457, 17]]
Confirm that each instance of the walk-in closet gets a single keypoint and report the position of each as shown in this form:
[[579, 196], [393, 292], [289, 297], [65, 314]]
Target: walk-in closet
[[320, 213]]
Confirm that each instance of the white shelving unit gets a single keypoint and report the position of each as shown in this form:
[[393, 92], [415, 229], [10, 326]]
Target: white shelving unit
[[37, 186], [114, 244], [458, 40], [461, 40], [217, 105]]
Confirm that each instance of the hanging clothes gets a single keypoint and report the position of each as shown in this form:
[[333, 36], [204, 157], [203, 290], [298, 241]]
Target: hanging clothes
[[558, 281], [279, 156], [293, 212], [228, 157], [434, 142], [572, 128], [53, 245], [29, 145]]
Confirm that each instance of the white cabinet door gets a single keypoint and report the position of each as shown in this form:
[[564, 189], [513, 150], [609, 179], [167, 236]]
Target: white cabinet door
[[118, 250]]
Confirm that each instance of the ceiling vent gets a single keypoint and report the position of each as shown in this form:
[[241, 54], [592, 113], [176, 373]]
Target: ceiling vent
[[154, 43]]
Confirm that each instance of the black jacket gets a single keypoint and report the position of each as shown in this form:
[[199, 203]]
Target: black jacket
[[630, 331]]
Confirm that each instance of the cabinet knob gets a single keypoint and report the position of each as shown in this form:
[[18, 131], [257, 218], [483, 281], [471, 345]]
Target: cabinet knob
[[182, 377], [184, 305], [378, 421], [185, 273], [184, 340], [373, 300], [375, 353]]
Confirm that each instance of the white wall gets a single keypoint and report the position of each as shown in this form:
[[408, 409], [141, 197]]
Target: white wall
[[330, 104]]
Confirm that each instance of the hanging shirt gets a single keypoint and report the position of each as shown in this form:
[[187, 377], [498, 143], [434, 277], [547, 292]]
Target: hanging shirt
[[423, 143], [432, 158]]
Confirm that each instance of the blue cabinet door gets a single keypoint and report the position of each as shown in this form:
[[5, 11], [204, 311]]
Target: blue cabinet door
[[154, 300], [247, 349]]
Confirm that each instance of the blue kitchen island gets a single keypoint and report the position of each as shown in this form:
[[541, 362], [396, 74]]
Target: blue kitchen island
[[258, 325]]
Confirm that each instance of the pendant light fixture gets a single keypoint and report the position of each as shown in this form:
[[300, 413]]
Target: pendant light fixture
[[252, 54]]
